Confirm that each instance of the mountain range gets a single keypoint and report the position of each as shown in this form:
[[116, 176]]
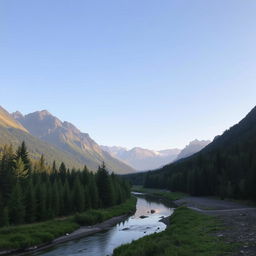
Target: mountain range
[[142, 159], [46, 134], [57, 140]]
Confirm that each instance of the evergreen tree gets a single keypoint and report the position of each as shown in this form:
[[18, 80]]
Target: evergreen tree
[[42, 165], [104, 187], [67, 199], [63, 172], [94, 193], [30, 202], [20, 169], [16, 205], [23, 154], [41, 196], [78, 196], [55, 200], [87, 199], [7, 177]]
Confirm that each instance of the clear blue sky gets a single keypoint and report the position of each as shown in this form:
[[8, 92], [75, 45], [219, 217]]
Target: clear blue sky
[[148, 73]]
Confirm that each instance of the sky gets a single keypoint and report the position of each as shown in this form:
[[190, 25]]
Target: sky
[[154, 74]]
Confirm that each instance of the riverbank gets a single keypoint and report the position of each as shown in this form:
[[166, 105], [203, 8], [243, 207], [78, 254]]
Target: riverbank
[[38, 236], [189, 233], [239, 220]]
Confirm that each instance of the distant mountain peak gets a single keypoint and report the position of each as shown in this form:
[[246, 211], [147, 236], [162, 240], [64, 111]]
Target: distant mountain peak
[[193, 147], [7, 120], [44, 113], [196, 142], [17, 115]]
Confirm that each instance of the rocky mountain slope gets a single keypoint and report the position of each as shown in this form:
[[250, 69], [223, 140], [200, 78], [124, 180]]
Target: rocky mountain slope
[[192, 148], [69, 139]]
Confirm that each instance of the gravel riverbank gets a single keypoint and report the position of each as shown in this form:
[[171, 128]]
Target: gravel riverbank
[[239, 220]]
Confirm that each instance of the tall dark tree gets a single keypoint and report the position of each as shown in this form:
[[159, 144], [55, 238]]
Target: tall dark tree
[[7, 171], [104, 187], [16, 205], [30, 202], [78, 196], [23, 154]]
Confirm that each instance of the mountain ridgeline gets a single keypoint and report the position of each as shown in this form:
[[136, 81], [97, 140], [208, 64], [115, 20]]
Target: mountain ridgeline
[[192, 148], [226, 167], [143, 159], [57, 140]]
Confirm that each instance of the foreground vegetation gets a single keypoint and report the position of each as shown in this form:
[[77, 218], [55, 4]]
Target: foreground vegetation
[[189, 233], [159, 192], [32, 191], [24, 236]]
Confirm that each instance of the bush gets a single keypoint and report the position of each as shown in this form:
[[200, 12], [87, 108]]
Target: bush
[[89, 218]]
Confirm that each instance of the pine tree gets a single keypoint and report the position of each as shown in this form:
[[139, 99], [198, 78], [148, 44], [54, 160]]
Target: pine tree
[[7, 177], [104, 187], [93, 192], [42, 165], [55, 200], [67, 199], [30, 202], [78, 196], [41, 196], [87, 199], [61, 197], [23, 154], [16, 205], [63, 172], [20, 169]]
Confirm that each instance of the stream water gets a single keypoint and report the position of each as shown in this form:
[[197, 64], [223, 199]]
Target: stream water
[[135, 227]]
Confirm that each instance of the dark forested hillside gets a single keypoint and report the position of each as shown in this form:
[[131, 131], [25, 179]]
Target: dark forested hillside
[[226, 167], [34, 191]]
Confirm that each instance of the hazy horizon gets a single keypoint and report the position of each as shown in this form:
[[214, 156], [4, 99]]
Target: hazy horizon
[[131, 73]]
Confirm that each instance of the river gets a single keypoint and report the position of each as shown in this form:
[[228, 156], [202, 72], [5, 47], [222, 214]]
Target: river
[[135, 227]]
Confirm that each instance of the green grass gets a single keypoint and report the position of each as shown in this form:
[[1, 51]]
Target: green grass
[[190, 233], [92, 217], [24, 236], [158, 192]]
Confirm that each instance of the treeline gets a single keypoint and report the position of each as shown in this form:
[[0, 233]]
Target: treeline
[[226, 168], [32, 191]]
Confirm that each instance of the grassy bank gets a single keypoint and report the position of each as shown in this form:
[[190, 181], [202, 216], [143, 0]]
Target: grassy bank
[[19, 237], [159, 192], [189, 233]]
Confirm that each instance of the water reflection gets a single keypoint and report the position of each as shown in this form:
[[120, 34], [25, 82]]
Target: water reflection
[[143, 222]]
